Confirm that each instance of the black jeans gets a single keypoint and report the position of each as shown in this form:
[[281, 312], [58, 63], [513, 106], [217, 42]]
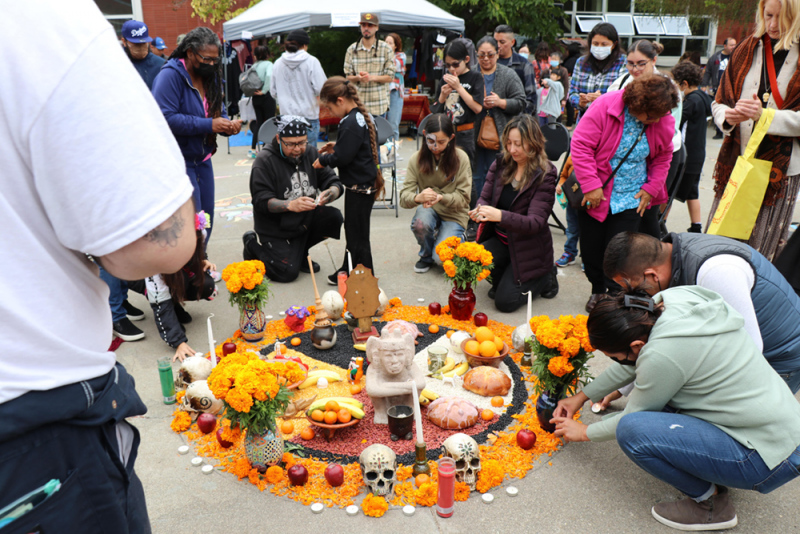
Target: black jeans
[[357, 213], [466, 141], [595, 236], [283, 257], [509, 295], [264, 106]]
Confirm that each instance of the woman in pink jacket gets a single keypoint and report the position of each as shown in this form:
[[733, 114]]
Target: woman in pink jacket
[[629, 132]]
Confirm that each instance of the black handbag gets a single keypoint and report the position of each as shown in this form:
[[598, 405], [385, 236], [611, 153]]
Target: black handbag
[[572, 188]]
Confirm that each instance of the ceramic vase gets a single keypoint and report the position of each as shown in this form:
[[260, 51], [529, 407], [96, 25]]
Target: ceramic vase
[[462, 303], [252, 322], [545, 405], [263, 450]]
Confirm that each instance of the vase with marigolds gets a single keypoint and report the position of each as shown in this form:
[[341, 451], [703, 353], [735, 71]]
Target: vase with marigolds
[[465, 264], [248, 288], [560, 349]]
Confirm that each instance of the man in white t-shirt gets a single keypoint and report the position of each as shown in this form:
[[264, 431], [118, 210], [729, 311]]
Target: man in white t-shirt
[[90, 170]]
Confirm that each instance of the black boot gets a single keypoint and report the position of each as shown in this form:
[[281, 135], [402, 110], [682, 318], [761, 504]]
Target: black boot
[[695, 228], [551, 289], [247, 238]]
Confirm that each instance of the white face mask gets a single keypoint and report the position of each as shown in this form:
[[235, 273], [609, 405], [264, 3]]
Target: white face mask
[[601, 52]]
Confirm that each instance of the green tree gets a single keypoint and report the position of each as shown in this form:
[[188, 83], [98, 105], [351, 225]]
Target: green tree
[[216, 10], [534, 18], [722, 11]]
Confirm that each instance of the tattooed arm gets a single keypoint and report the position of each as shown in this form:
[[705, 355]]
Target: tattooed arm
[[164, 249]]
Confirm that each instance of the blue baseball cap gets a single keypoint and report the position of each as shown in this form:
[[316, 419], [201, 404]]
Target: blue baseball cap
[[135, 32], [160, 43]]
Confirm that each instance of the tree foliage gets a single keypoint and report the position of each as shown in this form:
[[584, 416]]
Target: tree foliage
[[534, 18], [721, 10], [213, 11]]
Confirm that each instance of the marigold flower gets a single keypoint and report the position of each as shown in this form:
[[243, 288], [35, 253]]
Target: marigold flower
[[426, 494], [274, 474], [181, 421], [569, 347], [374, 506], [462, 491], [449, 268], [490, 475], [560, 366]]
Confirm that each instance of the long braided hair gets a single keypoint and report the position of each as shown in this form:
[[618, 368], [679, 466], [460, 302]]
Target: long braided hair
[[196, 40], [337, 87]]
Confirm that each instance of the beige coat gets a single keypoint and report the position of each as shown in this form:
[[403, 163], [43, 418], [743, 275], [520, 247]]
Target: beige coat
[[454, 205]]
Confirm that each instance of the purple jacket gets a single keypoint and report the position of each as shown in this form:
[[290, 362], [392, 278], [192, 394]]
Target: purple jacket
[[529, 239], [596, 140]]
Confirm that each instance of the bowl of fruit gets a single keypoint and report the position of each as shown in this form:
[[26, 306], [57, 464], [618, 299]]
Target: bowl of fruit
[[484, 348], [334, 413]]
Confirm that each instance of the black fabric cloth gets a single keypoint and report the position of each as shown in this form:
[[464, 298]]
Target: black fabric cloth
[[148, 68], [352, 153], [264, 106], [712, 73], [466, 141], [510, 295], [788, 262], [274, 176], [527, 75], [282, 258], [165, 313], [594, 239], [454, 107], [357, 213], [506, 198], [689, 188], [696, 109]]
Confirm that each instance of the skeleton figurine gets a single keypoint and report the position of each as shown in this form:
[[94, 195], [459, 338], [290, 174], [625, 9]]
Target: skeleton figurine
[[464, 450], [198, 398], [379, 469], [391, 370], [192, 369]]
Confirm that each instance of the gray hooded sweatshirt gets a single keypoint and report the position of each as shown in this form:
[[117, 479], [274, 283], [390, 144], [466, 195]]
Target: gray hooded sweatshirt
[[297, 79]]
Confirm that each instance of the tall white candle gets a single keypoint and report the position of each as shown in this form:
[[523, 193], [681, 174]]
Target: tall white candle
[[530, 305], [212, 351], [417, 413], [349, 263]]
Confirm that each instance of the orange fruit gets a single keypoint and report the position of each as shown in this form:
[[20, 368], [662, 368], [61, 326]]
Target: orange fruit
[[422, 479], [497, 402], [344, 416], [331, 406], [472, 347], [282, 348], [307, 434], [450, 333], [499, 344], [487, 414], [287, 427], [318, 415], [355, 389], [331, 417], [296, 341], [487, 349], [433, 329], [482, 333]]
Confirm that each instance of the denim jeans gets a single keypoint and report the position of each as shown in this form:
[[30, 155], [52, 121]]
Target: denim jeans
[[118, 292], [430, 230], [573, 231], [691, 454], [313, 132], [202, 177], [483, 160], [395, 112]]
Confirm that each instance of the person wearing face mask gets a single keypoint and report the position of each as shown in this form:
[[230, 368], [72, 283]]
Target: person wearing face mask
[[290, 197], [541, 60], [136, 42], [594, 73], [189, 92], [697, 418], [437, 185]]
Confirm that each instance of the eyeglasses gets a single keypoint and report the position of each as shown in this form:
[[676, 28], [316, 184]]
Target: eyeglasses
[[638, 66], [487, 56], [454, 65], [212, 60], [299, 144]]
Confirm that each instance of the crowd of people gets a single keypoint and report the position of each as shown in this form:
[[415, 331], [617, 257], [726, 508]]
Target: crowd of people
[[704, 330]]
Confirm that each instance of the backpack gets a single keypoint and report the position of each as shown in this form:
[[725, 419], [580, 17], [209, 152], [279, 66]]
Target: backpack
[[250, 82]]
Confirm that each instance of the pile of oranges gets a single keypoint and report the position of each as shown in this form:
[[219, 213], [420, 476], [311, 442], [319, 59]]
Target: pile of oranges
[[485, 344], [332, 414]]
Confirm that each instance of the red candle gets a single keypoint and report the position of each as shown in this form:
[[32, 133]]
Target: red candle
[[342, 279], [447, 486]]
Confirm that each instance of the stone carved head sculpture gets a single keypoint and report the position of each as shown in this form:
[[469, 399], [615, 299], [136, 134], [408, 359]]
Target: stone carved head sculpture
[[393, 351], [379, 469], [465, 452], [391, 371]]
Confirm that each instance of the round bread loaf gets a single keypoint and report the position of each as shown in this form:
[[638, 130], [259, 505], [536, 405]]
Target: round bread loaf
[[487, 381], [453, 413]]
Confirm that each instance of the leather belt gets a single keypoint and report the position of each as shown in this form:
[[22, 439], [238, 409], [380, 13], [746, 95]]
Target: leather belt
[[465, 127]]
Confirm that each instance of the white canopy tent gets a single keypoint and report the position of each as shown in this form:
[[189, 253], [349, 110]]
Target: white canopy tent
[[271, 17]]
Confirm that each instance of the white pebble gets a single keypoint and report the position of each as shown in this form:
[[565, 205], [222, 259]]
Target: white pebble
[[409, 510], [317, 507], [183, 449], [281, 313], [512, 491], [268, 317], [207, 469], [488, 498], [352, 510], [197, 461], [597, 408], [322, 383], [420, 299]]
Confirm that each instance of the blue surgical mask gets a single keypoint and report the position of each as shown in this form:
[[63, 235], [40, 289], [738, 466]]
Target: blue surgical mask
[[554, 63], [524, 54]]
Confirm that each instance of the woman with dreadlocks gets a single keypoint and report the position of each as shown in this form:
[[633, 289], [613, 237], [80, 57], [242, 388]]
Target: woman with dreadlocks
[[356, 155], [189, 92]]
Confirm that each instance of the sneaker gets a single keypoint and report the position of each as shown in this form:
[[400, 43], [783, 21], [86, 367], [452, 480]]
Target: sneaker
[[247, 238], [133, 313], [252, 154], [583, 267], [552, 287], [333, 280], [695, 228], [715, 513], [126, 331], [183, 316], [304, 266], [472, 232], [565, 259], [717, 136], [422, 267], [492, 292]]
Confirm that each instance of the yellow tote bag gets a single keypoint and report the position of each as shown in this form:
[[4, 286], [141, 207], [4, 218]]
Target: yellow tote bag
[[741, 201]]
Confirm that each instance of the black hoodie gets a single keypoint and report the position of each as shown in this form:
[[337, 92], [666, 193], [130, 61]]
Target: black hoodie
[[276, 176], [696, 109]]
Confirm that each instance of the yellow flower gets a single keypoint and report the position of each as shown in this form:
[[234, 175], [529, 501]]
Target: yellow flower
[[274, 474], [374, 506], [560, 366], [426, 494], [569, 347], [449, 268], [181, 421], [549, 336], [239, 400], [490, 475], [484, 274], [462, 492]]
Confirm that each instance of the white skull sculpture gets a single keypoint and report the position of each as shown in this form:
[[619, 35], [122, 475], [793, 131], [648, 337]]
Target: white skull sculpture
[[465, 452], [519, 335], [379, 469], [198, 398], [192, 369]]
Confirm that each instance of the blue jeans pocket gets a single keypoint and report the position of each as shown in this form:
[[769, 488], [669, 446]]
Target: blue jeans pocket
[[783, 473]]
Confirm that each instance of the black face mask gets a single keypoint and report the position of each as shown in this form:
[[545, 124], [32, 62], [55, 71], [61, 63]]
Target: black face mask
[[205, 70]]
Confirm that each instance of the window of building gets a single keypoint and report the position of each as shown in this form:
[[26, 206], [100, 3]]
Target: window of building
[[623, 23], [117, 12]]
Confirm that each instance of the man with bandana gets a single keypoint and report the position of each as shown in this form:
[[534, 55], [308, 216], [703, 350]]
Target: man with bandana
[[290, 198]]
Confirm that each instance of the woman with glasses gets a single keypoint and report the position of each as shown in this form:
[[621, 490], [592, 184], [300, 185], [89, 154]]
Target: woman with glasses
[[189, 92], [438, 183], [621, 152], [290, 197], [460, 96], [512, 213], [504, 97], [707, 411]]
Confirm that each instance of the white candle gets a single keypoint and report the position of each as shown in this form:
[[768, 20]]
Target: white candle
[[212, 351], [530, 305], [349, 263], [417, 413]]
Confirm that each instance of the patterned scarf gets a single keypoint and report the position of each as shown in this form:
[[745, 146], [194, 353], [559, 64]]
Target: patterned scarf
[[774, 148]]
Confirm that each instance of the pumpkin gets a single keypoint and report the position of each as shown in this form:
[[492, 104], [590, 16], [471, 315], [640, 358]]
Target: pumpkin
[[487, 381], [453, 413]]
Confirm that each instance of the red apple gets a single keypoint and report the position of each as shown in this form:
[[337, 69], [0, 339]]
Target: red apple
[[334, 474], [222, 442], [206, 423], [481, 319], [526, 439], [228, 348], [298, 475], [434, 308]]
